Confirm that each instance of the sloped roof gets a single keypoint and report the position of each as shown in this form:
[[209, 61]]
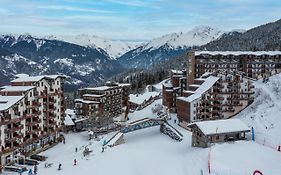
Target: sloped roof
[[8, 101], [16, 88], [221, 126], [208, 83], [236, 53]]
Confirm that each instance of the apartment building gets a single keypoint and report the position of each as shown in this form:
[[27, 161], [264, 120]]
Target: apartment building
[[173, 88], [100, 104], [215, 95], [254, 64], [32, 113], [216, 84]]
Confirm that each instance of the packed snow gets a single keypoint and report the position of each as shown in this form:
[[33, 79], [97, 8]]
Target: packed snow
[[221, 126], [141, 98], [148, 151], [264, 113]]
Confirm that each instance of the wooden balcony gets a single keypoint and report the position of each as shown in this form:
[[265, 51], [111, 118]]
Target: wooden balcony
[[10, 121], [13, 129], [31, 123], [9, 149], [30, 132]]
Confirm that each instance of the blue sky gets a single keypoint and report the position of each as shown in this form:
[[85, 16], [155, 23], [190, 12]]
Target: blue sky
[[132, 19]]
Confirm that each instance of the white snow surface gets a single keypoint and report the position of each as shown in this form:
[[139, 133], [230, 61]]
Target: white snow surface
[[208, 83], [149, 152], [221, 126], [140, 98], [68, 121], [8, 101], [198, 36], [264, 113], [16, 88], [114, 48], [236, 53]]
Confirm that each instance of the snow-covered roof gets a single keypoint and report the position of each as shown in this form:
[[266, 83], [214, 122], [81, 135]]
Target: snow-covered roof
[[70, 113], [221, 126], [176, 71], [93, 95], [124, 84], [236, 53], [53, 76], [68, 121], [35, 78], [100, 88], [190, 98], [208, 83], [140, 98], [159, 85], [168, 83], [16, 88], [86, 101], [28, 79], [188, 91], [8, 101]]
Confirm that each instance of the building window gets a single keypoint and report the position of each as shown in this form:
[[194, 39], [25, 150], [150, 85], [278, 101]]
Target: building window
[[217, 137]]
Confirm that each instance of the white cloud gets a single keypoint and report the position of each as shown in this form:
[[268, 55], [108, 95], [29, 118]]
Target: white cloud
[[70, 8]]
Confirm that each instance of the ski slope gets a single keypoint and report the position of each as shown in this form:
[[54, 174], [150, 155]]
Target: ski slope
[[265, 113], [149, 152]]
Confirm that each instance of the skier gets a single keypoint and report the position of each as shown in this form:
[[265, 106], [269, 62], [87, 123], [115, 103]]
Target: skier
[[59, 167], [20, 171], [30, 172], [75, 162], [102, 149], [35, 169]]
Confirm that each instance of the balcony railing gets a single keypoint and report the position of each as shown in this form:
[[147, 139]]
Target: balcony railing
[[13, 129]]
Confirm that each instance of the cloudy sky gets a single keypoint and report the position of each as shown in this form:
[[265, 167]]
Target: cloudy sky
[[132, 19]]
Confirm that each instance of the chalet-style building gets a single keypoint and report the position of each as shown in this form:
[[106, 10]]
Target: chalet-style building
[[205, 133], [32, 113], [101, 104]]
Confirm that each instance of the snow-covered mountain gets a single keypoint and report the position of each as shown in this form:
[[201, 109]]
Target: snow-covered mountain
[[113, 48], [83, 65], [260, 38], [196, 37], [168, 46]]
